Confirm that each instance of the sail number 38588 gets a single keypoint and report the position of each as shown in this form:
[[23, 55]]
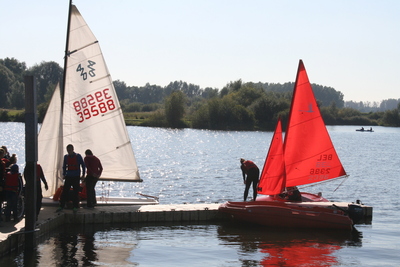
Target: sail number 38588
[[94, 104]]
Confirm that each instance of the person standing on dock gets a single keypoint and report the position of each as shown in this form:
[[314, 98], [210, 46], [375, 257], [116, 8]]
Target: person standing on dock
[[252, 172], [12, 189], [72, 165], [93, 170], [2, 176], [39, 179]]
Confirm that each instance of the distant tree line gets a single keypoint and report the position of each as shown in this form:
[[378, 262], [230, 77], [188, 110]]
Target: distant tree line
[[236, 106]]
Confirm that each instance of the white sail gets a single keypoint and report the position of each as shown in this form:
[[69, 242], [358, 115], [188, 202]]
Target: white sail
[[91, 115], [50, 144]]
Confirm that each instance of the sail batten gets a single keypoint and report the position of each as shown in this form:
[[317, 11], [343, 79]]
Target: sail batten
[[89, 111]]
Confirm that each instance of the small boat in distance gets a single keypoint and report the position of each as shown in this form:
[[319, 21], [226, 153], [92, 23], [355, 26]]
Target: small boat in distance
[[365, 130], [306, 156], [85, 112]]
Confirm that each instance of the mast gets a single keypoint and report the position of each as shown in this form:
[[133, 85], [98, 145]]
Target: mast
[[66, 56]]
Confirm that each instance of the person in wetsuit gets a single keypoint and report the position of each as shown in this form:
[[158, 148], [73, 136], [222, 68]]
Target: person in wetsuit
[[250, 173]]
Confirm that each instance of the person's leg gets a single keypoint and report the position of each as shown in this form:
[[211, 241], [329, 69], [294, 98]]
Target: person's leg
[[255, 184], [14, 206], [7, 211], [65, 192], [76, 187], [246, 190], [39, 198], [94, 191], [90, 190], [254, 173]]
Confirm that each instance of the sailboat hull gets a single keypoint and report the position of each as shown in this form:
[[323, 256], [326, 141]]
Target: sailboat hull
[[287, 215]]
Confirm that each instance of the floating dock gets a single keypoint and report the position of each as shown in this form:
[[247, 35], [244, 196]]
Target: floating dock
[[12, 236]]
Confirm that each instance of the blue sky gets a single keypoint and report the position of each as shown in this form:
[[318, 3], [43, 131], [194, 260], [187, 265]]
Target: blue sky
[[350, 45]]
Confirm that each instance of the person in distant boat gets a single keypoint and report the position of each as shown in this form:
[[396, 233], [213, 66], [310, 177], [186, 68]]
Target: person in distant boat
[[93, 173], [252, 172], [72, 165]]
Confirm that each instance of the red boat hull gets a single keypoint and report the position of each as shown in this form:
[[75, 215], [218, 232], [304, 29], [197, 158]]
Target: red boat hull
[[284, 214], [306, 197]]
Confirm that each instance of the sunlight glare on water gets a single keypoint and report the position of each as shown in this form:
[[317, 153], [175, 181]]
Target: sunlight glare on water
[[201, 166]]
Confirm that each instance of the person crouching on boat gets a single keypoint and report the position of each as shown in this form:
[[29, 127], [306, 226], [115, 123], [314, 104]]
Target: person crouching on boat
[[252, 172], [72, 165], [292, 193], [93, 170]]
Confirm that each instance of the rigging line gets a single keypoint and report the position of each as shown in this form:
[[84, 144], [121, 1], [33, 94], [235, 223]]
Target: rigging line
[[76, 50], [326, 181], [345, 178]]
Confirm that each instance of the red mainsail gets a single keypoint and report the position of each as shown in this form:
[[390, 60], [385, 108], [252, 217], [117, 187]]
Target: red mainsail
[[272, 179], [309, 153]]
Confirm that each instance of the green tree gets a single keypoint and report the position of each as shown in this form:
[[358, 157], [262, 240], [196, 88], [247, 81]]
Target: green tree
[[175, 109], [6, 81], [391, 118], [47, 75], [16, 67], [267, 108], [16, 97], [247, 94]]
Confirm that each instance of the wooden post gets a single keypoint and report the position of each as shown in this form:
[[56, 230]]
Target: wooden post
[[31, 155]]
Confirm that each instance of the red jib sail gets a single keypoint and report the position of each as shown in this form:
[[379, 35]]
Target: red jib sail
[[309, 153], [272, 179]]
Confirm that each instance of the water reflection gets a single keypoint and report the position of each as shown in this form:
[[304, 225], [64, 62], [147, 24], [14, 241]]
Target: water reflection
[[288, 247], [88, 246], [175, 244]]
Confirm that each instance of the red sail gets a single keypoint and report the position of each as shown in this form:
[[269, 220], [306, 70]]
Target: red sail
[[272, 180], [309, 153]]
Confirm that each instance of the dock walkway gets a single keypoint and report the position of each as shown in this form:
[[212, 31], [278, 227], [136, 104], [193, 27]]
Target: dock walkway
[[12, 235]]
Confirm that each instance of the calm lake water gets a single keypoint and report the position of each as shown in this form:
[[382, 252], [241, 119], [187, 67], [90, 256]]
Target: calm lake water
[[200, 166]]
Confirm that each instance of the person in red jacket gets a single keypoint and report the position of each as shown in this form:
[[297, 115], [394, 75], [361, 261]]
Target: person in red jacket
[[12, 189], [93, 171], [2, 176], [252, 172]]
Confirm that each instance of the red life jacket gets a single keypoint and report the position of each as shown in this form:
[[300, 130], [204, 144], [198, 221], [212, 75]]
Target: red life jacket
[[12, 182], [72, 163]]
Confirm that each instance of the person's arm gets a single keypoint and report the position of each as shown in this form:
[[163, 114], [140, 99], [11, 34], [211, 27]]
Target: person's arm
[[243, 173], [100, 169], [43, 178], [64, 167], [83, 166]]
